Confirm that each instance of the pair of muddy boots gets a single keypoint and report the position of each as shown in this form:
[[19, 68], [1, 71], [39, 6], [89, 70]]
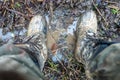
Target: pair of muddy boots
[[26, 60], [86, 29]]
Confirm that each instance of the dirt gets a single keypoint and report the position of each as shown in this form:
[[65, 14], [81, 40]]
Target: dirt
[[15, 16]]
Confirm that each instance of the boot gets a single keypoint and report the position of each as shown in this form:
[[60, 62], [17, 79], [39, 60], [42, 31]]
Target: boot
[[86, 30], [37, 39]]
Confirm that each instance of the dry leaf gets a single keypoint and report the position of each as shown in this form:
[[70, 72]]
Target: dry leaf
[[114, 7], [54, 48], [40, 0]]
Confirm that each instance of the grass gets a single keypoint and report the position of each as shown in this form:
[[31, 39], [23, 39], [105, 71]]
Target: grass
[[114, 11], [17, 4], [52, 65], [55, 70]]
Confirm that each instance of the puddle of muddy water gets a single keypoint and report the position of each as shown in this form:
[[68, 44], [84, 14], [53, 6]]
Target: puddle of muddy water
[[71, 28], [7, 36], [70, 31]]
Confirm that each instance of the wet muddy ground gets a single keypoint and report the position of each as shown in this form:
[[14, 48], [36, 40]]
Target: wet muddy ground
[[15, 16]]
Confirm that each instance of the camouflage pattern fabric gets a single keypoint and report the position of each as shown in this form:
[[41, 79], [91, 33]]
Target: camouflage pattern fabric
[[106, 65], [15, 59]]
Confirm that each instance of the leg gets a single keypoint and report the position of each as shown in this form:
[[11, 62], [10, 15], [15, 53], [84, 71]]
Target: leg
[[103, 65], [16, 64], [106, 65], [25, 59]]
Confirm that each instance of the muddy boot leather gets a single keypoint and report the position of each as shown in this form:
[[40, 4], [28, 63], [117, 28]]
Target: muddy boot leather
[[86, 29], [37, 39]]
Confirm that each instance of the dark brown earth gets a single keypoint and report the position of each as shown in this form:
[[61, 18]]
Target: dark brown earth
[[16, 14]]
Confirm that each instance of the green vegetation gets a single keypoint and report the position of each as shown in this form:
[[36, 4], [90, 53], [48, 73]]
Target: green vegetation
[[17, 4], [114, 11], [53, 66]]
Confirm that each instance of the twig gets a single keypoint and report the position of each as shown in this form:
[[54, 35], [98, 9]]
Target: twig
[[17, 12], [65, 47], [60, 5], [111, 2], [51, 9], [100, 13], [71, 3], [4, 13], [51, 17], [14, 11], [61, 63], [52, 69]]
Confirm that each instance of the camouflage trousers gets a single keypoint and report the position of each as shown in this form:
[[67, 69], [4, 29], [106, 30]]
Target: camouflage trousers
[[14, 59], [105, 66]]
